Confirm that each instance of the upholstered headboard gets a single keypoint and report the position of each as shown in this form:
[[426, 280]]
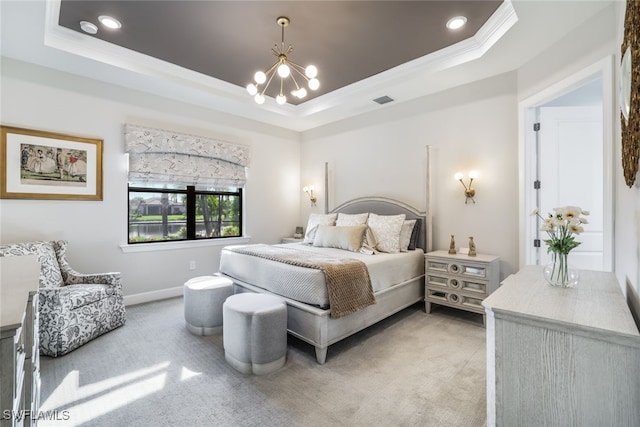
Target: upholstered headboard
[[386, 206]]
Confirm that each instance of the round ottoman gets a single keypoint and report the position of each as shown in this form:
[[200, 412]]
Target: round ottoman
[[203, 299], [255, 332]]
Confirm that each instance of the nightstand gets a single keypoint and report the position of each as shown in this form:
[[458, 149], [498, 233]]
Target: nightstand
[[460, 281], [290, 240]]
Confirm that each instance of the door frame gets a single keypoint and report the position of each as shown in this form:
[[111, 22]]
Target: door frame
[[526, 154]]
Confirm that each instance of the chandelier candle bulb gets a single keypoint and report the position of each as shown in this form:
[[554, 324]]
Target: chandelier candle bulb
[[311, 71], [284, 71], [260, 77], [252, 89]]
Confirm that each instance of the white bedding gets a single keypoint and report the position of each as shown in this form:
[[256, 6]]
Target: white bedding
[[307, 285]]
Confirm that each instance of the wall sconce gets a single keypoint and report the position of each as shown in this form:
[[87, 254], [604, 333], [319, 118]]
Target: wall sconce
[[469, 192], [312, 197]]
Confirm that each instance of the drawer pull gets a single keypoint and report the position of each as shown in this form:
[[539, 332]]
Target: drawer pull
[[454, 298]]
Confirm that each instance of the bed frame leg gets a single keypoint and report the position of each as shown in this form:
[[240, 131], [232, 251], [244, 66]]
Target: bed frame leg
[[321, 355]]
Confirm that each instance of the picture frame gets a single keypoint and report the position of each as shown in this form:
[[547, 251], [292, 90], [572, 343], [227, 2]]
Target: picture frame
[[629, 95], [50, 166]]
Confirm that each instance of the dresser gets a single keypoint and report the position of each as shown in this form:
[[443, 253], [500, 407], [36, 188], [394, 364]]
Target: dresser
[[561, 356], [460, 281], [19, 343]]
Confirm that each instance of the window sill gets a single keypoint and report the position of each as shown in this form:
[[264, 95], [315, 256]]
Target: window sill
[[183, 244]]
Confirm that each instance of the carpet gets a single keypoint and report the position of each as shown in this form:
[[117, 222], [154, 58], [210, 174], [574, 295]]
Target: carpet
[[411, 369]]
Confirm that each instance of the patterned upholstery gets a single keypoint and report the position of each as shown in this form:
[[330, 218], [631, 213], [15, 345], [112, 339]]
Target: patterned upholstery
[[74, 307]]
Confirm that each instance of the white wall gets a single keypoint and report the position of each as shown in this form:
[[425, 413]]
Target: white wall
[[627, 208], [597, 38], [383, 154], [43, 99]]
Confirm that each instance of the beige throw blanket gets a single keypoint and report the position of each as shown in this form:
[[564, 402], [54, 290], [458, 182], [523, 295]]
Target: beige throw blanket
[[348, 281]]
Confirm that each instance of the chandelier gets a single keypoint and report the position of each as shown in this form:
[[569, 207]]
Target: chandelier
[[284, 68]]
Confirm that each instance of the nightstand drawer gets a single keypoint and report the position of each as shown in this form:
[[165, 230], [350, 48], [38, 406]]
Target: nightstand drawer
[[476, 287], [453, 267], [459, 283], [454, 299], [433, 280]]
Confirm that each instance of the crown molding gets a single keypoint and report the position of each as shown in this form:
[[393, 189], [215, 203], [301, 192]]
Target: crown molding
[[170, 80]]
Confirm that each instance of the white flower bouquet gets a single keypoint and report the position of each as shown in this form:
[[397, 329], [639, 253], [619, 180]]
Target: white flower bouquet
[[561, 227]]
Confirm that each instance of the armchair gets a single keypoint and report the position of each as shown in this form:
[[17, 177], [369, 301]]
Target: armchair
[[74, 308]]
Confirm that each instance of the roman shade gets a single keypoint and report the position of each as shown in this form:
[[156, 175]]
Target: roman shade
[[162, 156]]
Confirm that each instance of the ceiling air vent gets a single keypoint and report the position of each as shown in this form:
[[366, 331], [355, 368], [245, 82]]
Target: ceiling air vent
[[383, 100]]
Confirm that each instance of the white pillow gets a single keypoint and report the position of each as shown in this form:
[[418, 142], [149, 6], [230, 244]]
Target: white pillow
[[352, 219], [386, 229], [347, 237], [405, 234], [369, 243], [315, 220]]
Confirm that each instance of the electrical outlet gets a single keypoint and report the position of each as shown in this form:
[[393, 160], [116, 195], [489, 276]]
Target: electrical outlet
[[192, 265]]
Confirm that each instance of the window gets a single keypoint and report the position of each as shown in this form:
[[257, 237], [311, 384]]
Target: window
[[183, 187], [161, 214]]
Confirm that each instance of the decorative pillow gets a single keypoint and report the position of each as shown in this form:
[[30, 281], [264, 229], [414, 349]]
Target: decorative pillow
[[347, 237], [405, 234], [386, 229], [369, 243], [415, 234], [315, 220], [352, 219]]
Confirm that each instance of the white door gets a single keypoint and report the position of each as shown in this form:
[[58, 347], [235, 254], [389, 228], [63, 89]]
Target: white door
[[571, 174]]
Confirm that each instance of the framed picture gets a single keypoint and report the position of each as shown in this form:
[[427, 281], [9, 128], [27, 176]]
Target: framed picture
[[46, 165]]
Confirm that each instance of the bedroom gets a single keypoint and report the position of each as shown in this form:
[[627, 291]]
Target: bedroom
[[472, 125]]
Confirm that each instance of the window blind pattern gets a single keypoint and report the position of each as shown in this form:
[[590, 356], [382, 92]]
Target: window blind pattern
[[163, 156]]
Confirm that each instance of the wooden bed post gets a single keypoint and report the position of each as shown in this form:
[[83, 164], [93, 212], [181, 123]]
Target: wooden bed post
[[429, 226], [326, 187]]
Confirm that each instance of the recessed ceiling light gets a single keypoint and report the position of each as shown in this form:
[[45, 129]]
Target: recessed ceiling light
[[456, 22], [109, 22], [88, 27]]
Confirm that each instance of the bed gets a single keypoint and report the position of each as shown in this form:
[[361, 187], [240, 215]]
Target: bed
[[397, 279]]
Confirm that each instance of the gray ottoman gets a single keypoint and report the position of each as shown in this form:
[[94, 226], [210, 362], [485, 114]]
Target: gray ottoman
[[255, 332], [203, 299]]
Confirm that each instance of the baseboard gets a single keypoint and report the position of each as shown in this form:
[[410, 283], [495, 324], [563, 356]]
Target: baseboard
[[633, 301], [153, 296]]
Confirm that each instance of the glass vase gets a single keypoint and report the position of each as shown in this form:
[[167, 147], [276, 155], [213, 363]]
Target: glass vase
[[557, 272]]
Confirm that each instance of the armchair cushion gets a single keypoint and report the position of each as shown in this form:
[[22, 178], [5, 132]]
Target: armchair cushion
[[76, 296]]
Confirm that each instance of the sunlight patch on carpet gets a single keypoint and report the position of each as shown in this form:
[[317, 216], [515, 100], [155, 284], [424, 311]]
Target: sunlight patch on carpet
[[90, 401], [187, 373]]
